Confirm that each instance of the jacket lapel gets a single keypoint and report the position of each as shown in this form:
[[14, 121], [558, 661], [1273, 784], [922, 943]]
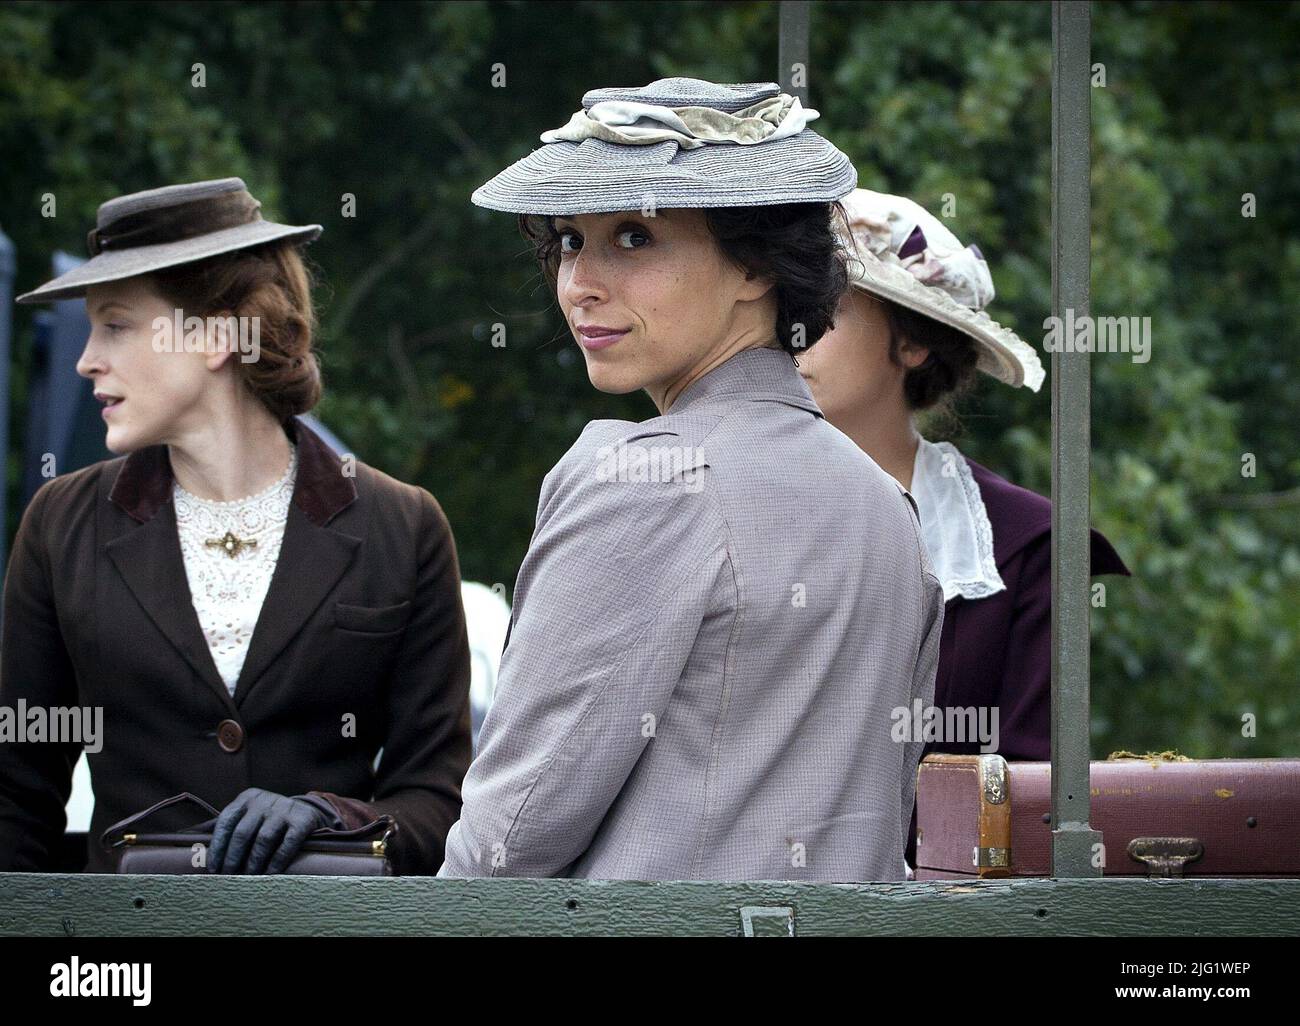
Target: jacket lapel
[[313, 556], [311, 561], [149, 559]]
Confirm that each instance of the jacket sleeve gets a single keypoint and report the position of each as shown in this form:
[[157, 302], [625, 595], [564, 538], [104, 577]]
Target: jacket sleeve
[[427, 748], [1025, 696], [608, 604], [35, 777]]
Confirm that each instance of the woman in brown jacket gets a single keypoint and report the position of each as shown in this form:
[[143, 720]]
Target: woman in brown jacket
[[255, 617]]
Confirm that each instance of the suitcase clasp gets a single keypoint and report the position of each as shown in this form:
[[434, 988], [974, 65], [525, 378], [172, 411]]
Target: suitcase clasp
[[1165, 856]]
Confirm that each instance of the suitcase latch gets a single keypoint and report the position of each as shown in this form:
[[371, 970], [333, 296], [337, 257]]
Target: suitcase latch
[[990, 858], [1165, 856]]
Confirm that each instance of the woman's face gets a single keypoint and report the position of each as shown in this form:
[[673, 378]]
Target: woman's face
[[849, 370], [673, 300], [151, 387]]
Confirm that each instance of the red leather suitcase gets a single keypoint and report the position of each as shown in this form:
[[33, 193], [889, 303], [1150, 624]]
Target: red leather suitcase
[[981, 816]]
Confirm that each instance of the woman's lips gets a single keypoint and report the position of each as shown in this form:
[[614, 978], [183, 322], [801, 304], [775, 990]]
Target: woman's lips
[[594, 339]]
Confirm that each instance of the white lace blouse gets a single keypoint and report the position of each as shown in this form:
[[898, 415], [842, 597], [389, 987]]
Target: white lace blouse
[[954, 523], [229, 580]]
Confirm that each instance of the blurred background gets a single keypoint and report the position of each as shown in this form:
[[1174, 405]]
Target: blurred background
[[408, 107]]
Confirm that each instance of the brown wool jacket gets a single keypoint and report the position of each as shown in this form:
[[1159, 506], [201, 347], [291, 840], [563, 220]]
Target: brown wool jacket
[[363, 624]]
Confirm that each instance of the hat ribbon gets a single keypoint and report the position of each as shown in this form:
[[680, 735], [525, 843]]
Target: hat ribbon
[[176, 222], [631, 123]]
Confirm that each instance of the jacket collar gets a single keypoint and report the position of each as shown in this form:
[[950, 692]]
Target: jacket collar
[[144, 484], [754, 374]]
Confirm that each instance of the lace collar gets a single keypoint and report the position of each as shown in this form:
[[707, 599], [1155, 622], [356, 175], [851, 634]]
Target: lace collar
[[954, 522], [251, 514]]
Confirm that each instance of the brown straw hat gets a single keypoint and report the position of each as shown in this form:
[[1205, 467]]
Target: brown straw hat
[[159, 228]]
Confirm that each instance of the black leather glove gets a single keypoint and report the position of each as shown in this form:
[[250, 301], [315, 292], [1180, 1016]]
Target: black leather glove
[[261, 832]]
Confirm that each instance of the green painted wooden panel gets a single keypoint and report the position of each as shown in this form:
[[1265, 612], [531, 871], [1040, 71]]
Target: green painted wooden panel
[[91, 905]]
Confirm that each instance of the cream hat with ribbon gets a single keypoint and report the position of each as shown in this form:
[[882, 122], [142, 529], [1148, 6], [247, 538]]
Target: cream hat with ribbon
[[900, 252]]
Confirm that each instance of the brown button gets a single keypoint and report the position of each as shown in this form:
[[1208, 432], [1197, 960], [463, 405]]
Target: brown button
[[230, 736]]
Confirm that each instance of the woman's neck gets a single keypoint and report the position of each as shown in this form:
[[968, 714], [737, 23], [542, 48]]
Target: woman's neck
[[891, 441], [664, 396], [233, 454]]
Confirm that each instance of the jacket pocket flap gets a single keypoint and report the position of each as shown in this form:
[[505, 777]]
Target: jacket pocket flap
[[372, 619]]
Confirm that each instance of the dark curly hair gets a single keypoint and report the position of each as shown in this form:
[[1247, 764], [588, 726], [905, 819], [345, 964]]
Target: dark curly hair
[[946, 374], [793, 244]]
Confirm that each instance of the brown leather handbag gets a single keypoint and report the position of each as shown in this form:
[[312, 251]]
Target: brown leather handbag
[[326, 852]]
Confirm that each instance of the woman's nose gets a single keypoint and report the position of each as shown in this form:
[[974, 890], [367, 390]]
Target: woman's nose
[[586, 280], [89, 363]]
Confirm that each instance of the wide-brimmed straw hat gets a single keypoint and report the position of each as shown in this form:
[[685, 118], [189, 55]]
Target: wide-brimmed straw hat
[[900, 252], [160, 228], [677, 142]]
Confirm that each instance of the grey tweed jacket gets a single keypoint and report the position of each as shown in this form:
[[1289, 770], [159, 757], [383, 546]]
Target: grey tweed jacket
[[720, 611]]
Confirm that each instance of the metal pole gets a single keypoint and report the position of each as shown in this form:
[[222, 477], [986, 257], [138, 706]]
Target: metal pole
[[1073, 840], [792, 49]]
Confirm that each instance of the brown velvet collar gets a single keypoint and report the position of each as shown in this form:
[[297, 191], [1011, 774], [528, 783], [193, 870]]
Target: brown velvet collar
[[144, 484]]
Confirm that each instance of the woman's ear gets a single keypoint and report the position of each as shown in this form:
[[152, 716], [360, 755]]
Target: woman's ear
[[221, 339], [912, 355], [754, 286]]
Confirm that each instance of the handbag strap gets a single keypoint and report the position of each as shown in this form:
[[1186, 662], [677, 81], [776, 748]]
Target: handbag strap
[[385, 822], [130, 821]]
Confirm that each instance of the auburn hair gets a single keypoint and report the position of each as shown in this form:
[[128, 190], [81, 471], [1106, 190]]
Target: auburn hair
[[269, 282]]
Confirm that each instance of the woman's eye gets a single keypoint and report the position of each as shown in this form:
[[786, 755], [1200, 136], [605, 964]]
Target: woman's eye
[[113, 329], [571, 241]]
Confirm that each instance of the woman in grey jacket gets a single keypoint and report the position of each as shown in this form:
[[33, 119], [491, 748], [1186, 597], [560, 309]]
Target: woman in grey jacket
[[706, 663]]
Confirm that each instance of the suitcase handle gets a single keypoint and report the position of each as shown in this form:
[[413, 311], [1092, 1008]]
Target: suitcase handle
[[1165, 856]]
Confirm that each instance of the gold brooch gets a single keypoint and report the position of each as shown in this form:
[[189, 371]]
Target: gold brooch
[[230, 544]]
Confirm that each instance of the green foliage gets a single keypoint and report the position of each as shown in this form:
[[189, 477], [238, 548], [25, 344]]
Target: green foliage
[[395, 105]]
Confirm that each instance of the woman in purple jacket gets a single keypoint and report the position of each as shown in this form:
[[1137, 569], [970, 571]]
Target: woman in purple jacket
[[909, 337]]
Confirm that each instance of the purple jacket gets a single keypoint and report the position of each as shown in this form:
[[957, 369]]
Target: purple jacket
[[996, 651]]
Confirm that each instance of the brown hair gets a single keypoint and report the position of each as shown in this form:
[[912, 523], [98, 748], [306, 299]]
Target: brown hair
[[269, 282], [947, 373]]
